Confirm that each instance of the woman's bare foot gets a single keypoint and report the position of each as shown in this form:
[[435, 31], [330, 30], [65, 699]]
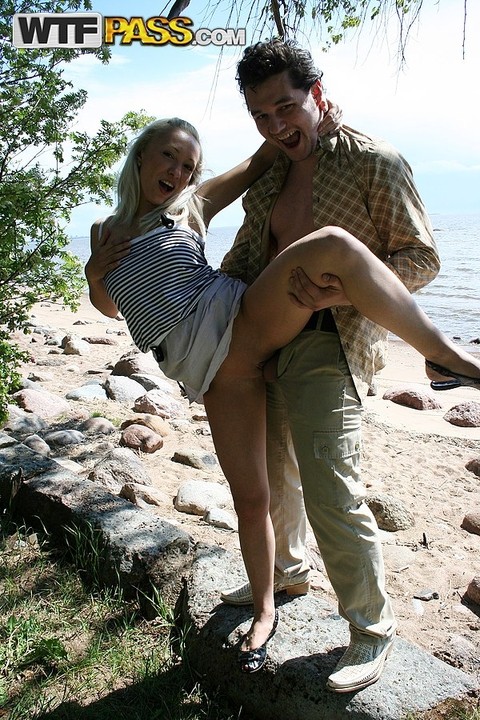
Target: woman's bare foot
[[259, 631]]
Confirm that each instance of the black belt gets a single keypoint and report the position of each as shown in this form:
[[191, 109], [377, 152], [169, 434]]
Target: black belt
[[327, 324]]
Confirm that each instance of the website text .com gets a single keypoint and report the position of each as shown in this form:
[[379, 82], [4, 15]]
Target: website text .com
[[91, 30]]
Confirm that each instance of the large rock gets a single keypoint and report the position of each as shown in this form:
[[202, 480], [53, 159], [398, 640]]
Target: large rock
[[98, 426], [137, 550], [123, 389], [37, 444], [118, 467], [62, 438], [466, 414], [90, 391], [149, 495], [157, 402], [139, 437], [73, 345], [309, 641], [135, 362], [199, 459], [473, 466], [473, 590], [412, 398], [42, 403], [390, 513], [154, 382], [196, 497], [471, 522], [155, 423], [22, 422]]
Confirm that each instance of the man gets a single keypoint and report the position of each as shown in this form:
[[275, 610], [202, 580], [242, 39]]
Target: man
[[366, 187]]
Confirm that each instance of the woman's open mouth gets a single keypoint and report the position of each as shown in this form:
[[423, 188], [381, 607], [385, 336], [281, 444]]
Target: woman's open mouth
[[166, 186]]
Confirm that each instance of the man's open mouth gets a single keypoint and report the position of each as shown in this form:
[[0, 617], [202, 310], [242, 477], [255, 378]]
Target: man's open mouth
[[290, 139]]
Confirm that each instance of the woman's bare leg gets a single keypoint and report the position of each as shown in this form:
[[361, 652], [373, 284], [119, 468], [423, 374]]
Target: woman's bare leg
[[268, 319], [372, 288], [236, 411]]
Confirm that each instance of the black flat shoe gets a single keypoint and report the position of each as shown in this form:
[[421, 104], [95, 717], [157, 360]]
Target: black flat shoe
[[456, 380], [251, 661]]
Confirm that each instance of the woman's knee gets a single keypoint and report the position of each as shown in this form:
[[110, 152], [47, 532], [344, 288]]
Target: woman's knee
[[339, 247], [252, 509]]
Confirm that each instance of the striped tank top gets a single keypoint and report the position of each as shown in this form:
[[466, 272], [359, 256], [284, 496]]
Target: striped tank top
[[160, 282]]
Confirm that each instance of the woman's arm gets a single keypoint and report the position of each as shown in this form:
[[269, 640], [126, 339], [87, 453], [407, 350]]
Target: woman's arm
[[220, 191], [105, 256]]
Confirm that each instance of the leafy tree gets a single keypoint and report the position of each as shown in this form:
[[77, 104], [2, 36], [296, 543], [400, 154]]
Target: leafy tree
[[46, 170], [329, 20]]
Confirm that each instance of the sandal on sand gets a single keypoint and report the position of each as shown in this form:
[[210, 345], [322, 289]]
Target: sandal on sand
[[456, 380]]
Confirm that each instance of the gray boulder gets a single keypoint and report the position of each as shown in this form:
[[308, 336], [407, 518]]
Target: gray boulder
[[309, 641], [118, 467]]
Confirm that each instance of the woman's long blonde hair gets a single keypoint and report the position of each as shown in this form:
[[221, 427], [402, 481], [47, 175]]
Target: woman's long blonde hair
[[184, 207]]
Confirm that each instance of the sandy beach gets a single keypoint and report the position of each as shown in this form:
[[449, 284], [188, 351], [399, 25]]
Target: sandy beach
[[414, 456]]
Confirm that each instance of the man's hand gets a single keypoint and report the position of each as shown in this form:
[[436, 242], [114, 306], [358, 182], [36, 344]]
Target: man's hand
[[306, 294]]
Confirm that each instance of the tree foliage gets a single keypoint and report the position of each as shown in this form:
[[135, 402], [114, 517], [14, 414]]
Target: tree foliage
[[329, 20], [46, 170]]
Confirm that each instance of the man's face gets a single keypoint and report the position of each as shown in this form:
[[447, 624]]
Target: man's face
[[285, 116]]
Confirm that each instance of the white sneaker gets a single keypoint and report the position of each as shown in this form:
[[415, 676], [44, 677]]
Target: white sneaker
[[243, 594], [361, 665]]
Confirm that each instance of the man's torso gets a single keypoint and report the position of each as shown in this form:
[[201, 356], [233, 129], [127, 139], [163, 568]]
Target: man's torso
[[292, 214]]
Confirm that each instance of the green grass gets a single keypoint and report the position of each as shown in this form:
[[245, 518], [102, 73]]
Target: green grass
[[70, 651]]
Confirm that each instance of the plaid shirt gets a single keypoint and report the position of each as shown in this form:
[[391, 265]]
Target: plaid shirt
[[364, 186]]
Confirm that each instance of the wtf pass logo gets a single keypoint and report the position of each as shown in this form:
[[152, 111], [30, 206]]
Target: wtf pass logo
[[91, 30]]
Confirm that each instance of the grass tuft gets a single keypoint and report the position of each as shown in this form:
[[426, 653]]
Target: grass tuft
[[71, 649]]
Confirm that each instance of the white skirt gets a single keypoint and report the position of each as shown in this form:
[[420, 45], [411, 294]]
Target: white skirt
[[195, 348]]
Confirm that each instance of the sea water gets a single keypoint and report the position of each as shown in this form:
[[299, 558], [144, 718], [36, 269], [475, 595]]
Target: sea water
[[452, 300]]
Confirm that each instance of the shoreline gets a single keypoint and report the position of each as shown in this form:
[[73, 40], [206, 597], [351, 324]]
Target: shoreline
[[405, 367]]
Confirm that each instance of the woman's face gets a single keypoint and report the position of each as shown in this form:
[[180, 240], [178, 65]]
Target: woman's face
[[166, 165]]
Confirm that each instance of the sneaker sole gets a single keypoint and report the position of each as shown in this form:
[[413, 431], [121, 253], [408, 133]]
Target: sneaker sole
[[293, 590]]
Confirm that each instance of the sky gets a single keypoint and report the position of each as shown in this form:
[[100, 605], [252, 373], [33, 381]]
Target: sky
[[429, 109]]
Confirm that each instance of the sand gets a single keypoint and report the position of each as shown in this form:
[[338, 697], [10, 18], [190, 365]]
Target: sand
[[415, 456]]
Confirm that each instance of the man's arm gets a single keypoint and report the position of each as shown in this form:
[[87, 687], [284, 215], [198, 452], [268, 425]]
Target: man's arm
[[401, 220]]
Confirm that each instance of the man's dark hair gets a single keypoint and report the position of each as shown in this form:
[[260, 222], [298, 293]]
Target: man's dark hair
[[264, 59]]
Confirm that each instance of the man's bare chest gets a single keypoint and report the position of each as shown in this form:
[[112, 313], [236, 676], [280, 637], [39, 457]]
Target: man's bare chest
[[292, 214]]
